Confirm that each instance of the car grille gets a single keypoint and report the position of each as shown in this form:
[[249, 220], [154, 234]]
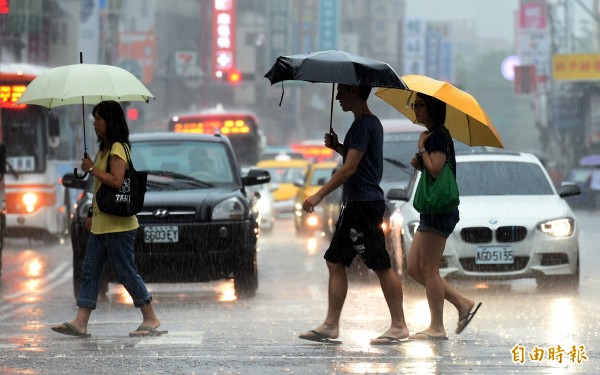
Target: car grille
[[168, 215], [511, 234], [476, 235], [485, 234], [468, 264], [554, 259]]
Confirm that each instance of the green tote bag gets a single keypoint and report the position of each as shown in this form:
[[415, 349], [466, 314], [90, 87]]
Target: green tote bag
[[436, 196]]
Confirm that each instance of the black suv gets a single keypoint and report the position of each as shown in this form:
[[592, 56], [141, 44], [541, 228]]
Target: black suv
[[197, 223]]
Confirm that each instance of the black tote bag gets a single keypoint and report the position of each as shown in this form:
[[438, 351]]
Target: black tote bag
[[127, 200]]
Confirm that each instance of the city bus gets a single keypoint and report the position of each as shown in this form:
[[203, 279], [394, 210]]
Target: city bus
[[41, 145], [241, 127]]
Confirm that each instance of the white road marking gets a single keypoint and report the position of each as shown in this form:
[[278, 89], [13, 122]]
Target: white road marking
[[66, 276]]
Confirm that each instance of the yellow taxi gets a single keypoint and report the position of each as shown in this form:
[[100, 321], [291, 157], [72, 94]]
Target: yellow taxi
[[318, 174], [284, 172]]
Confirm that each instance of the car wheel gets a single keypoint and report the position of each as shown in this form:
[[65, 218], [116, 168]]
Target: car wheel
[[245, 280]]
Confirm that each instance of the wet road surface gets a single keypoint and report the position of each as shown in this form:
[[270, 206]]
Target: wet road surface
[[519, 328]]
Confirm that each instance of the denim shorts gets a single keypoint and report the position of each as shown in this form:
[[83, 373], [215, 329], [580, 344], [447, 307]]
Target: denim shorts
[[442, 224]]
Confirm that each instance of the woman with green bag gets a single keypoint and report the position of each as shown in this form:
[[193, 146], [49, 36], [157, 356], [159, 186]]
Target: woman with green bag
[[438, 206]]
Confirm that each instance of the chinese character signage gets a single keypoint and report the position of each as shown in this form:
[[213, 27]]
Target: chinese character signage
[[223, 51], [534, 39], [414, 46], [576, 67]]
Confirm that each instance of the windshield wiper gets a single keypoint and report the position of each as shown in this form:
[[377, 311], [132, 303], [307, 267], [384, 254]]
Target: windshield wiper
[[398, 164], [180, 177]]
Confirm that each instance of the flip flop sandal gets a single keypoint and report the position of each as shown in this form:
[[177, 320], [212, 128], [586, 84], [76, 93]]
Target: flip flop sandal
[[146, 331], [388, 340], [70, 330], [319, 337], [466, 319]]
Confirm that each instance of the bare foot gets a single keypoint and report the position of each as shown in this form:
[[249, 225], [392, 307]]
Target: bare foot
[[325, 330], [79, 327], [392, 333], [72, 329], [154, 323]]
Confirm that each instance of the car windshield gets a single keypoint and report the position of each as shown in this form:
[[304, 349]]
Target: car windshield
[[285, 175], [320, 174], [190, 164], [398, 150], [501, 178]]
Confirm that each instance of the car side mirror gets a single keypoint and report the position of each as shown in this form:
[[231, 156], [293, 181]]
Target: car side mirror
[[71, 181], [256, 177], [299, 183], [568, 189], [397, 195]]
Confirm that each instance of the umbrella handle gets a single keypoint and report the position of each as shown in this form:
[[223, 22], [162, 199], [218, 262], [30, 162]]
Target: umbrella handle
[[84, 175]]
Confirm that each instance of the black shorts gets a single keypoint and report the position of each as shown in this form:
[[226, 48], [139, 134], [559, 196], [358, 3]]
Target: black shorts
[[358, 232], [442, 224]]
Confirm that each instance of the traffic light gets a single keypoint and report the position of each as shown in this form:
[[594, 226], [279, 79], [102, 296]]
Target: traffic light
[[133, 114], [4, 6], [234, 77]]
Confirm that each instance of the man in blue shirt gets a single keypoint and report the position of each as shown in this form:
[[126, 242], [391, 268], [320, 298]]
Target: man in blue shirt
[[358, 229]]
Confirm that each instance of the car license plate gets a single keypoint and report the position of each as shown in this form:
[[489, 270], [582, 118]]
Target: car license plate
[[161, 234], [494, 255]]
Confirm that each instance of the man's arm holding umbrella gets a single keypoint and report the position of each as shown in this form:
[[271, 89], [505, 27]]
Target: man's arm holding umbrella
[[339, 177]]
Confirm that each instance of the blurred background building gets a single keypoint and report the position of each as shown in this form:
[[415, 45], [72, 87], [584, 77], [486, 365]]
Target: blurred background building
[[195, 54]]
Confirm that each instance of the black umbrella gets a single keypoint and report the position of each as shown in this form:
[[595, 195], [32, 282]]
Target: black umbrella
[[334, 66]]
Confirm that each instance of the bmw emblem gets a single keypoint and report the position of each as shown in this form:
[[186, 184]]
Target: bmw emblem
[[493, 221]]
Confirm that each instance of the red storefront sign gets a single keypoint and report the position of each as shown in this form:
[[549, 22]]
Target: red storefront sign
[[223, 51]]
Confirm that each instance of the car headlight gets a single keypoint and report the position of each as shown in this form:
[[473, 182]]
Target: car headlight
[[263, 205], [558, 228], [230, 209]]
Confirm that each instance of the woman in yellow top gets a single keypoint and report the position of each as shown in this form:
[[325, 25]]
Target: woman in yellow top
[[112, 237]]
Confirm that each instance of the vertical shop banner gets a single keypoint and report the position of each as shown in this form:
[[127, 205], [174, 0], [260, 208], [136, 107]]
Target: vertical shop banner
[[534, 39], [413, 50], [384, 33], [438, 52], [329, 16], [137, 38], [304, 26], [278, 36], [433, 42], [89, 31], [223, 46]]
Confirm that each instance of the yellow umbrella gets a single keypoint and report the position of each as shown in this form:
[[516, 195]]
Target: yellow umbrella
[[465, 119]]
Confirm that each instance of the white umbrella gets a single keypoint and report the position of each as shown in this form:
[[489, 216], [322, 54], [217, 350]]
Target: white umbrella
[[84, 84]]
